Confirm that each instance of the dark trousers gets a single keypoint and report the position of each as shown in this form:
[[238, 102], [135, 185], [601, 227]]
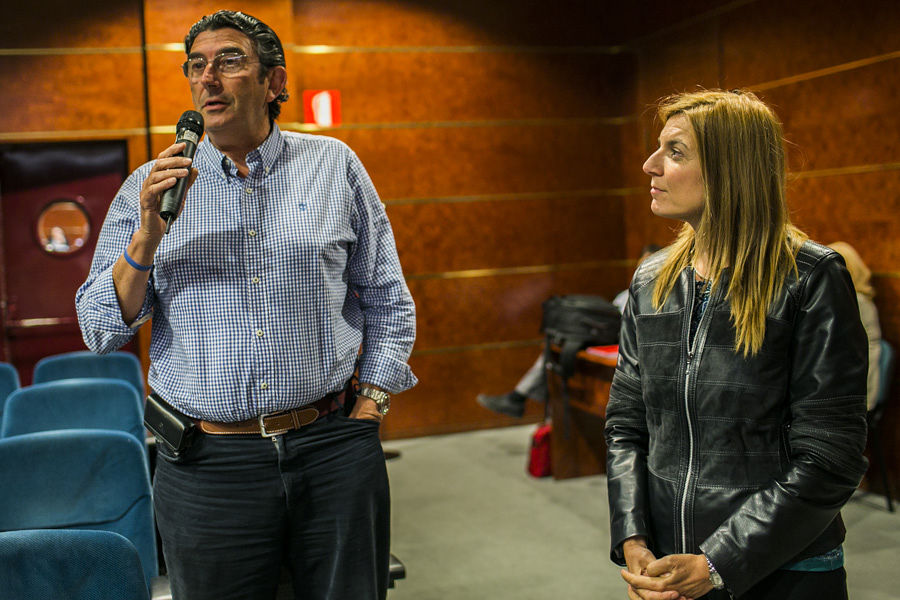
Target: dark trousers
[[795, 585], [234, 508]]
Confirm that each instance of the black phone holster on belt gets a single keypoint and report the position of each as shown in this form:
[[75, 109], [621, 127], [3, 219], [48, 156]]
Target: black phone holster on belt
[[172, 428]]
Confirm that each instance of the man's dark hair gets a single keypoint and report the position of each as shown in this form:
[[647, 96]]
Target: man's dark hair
[[268, 46]]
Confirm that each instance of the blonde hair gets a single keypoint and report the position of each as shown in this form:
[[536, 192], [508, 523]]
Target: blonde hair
[[745, 224], [859, 272]]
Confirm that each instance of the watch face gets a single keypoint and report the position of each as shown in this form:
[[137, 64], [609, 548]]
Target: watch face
[[382, 399]]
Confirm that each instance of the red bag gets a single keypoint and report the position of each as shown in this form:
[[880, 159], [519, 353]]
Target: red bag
[[539, 462]]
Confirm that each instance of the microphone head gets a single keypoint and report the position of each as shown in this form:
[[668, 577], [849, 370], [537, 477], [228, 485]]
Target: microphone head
[[190, 120]]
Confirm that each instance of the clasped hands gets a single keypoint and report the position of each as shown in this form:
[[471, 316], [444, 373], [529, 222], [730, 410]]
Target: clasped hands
[[672, 577]]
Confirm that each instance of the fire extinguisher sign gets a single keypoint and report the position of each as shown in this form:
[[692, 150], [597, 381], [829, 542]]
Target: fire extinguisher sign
[[322, 107]]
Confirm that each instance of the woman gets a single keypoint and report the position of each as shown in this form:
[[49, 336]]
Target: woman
[[736, 420], [861, 276]]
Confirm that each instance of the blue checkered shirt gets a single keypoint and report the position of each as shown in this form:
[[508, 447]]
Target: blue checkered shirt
[[266, 287]]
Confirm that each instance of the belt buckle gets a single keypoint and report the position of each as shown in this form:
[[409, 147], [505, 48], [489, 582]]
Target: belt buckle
[[262, 428]]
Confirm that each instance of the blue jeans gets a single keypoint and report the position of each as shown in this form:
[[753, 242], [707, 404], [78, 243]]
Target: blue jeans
[[234, 508]]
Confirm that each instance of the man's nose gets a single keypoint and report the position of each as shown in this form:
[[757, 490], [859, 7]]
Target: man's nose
[[210, 75]]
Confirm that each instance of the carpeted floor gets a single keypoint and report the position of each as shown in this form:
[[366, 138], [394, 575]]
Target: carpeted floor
[[470, 524]]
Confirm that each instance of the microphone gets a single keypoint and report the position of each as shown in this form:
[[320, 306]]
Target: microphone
[[189, 130]]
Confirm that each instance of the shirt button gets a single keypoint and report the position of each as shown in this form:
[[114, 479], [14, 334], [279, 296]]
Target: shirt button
[[255, 280], [267, 169], [252, 232], [259, 333], [248, 190], [264, 386]]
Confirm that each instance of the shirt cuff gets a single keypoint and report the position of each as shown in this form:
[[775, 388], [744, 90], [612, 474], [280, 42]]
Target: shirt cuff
[[391, 374]]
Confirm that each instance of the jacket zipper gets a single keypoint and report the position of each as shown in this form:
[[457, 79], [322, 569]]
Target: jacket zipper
[[692, 350], [688, 477]]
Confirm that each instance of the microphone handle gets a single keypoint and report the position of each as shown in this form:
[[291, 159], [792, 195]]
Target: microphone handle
[[174, 196]]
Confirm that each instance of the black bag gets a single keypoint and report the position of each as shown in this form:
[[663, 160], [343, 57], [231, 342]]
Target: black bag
[[575, 322]]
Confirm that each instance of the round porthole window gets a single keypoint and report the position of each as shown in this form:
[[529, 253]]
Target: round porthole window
[[63, 227]]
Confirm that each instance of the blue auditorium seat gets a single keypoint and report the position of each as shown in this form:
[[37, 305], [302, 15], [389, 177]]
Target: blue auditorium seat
[[71, 564], [9, 382], [79, 479], [74, 404], [117, 365]]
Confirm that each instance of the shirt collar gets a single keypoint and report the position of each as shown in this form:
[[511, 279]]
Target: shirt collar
[[267, 153]]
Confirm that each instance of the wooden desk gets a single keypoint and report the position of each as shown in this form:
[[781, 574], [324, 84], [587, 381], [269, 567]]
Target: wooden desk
[[578, 447]]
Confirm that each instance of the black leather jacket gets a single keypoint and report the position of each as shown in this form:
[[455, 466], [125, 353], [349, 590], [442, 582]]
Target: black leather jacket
[[748, 460]]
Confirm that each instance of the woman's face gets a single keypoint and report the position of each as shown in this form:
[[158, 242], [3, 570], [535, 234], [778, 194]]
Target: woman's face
[[676, 180]]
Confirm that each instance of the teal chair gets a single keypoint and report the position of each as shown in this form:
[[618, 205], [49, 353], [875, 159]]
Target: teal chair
[[79, 479], [115, 365], [75, 404], [9, 382], [71, 564]]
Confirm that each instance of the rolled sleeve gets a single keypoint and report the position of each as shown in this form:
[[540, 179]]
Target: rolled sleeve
[[96, 303], [387, 306]]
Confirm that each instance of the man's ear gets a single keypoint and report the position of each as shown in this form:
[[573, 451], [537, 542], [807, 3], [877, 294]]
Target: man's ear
[[277, 81]]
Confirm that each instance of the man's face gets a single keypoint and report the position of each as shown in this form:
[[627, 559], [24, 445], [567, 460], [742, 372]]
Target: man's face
[[230, 102]]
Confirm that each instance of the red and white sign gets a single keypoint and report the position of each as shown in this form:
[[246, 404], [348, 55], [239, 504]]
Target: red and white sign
[[322, 107]]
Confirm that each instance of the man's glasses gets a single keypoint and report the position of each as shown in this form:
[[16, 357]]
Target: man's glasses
[[227, 64]]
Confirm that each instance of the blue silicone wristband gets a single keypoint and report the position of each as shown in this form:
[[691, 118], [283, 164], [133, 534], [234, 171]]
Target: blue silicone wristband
[[134, 263]]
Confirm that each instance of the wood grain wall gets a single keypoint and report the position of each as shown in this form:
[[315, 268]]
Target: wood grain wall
[[832, 73], [505, 138]]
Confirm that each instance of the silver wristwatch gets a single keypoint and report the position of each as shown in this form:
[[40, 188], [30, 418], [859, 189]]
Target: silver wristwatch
[[714, 578], [382, 399]]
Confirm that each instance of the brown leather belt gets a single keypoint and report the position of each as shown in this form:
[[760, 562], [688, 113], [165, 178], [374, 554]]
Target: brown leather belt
[[277, 423]]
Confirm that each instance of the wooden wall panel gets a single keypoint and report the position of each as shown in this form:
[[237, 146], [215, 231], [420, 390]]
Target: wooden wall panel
[[500, 308], [168, 22], [667, 66], [444, 400], [769, 40], [170, 92], [430, 162], [66, 24], [869, 205], [841, 120], [462, 22], [437, 237], [435, 86], [71, 92]]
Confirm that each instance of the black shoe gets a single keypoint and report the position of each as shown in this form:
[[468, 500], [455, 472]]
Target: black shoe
[[511, 404]]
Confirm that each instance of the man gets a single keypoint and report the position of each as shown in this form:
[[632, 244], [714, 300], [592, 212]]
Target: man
[[277, 281]]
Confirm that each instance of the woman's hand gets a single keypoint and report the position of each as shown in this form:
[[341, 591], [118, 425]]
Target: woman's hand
[[687, 575], [638, 558]]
